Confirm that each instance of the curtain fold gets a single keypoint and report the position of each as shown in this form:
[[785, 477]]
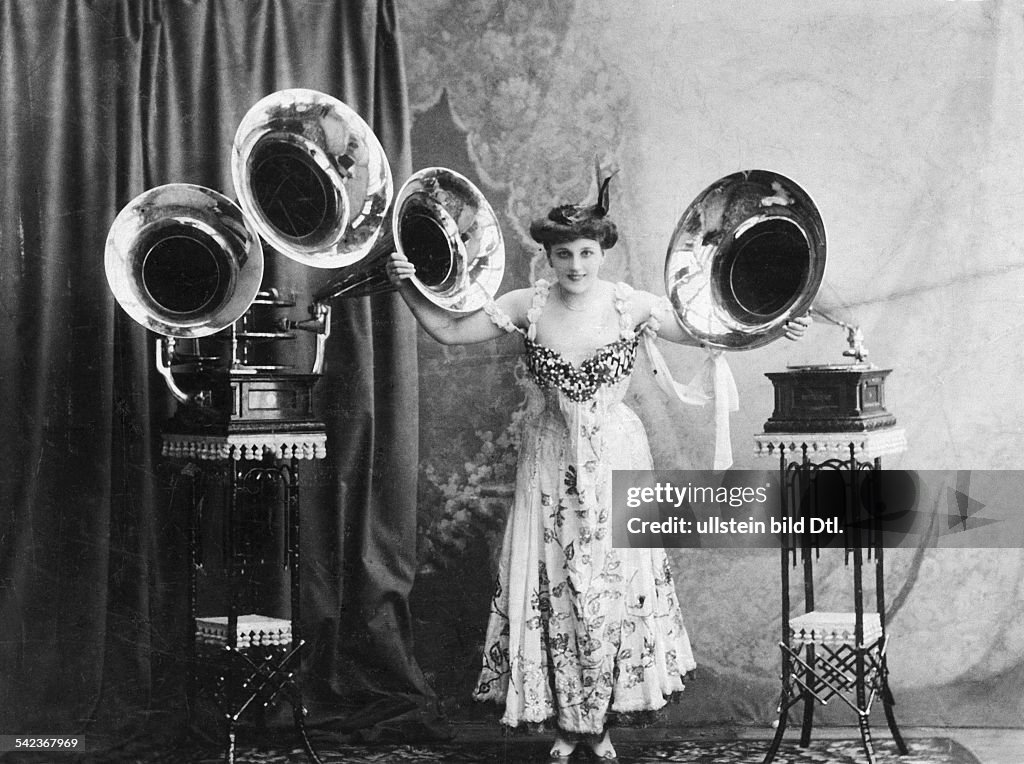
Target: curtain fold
[[102, 100]]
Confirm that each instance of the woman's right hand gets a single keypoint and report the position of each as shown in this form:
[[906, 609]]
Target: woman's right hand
[[399, 268]]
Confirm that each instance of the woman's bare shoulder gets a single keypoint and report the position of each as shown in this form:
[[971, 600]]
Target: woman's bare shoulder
[[643, 301], [515, 303]]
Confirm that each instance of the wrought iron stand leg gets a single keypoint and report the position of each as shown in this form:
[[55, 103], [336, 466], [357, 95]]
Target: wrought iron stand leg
[[883, 666], [229, 749], [865, 736], [863, 721], [807, 691], [786, 696], [300, 723], [294, 560], [860, 658], [195, 560], [808, 700], [780, 730], [231, 550]]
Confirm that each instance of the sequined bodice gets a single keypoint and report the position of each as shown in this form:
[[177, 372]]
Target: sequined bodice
[[564, 385], [584, 399], [609, 364]]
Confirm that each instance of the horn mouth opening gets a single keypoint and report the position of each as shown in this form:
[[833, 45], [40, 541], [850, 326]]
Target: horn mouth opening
[[430, 238], [428, 244], [764, 270], [311, 177], [180, 272], [182, 261], [295, 194]]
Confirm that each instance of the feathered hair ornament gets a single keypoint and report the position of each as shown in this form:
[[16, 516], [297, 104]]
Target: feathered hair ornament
[[568, 222]]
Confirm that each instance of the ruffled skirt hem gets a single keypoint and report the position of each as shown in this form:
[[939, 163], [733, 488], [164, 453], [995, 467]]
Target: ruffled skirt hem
[[638, 718]]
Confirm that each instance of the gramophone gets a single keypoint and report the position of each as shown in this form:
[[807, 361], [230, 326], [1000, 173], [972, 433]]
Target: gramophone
[[746, 257], [832, 397], [313, 182]]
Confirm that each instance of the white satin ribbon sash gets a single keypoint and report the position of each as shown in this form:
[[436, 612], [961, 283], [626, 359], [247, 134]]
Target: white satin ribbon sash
[[713, 381]]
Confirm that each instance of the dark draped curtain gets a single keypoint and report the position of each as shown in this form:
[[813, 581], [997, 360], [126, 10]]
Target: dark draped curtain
[[100, 100]]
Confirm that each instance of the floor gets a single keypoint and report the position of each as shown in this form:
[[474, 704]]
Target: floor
[[830, 744], [989, 745]]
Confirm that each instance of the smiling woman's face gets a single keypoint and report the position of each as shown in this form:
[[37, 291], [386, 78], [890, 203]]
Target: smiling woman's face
[[576, 263]]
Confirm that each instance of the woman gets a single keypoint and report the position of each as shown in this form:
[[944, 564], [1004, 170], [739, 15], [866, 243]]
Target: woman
[[579, 632]]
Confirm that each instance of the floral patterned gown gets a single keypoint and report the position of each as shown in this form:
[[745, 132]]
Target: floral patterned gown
[[579, 630]]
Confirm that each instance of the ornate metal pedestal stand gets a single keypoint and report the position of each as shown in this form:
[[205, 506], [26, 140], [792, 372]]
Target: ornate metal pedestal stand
[[827, 655], [247, 661]]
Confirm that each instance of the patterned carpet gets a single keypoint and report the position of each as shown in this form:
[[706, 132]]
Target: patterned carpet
[[523, 751]]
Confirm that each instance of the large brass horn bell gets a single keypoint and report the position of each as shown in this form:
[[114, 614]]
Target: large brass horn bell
[[182, 260], [312, 177], [446, 228], [746, 256]]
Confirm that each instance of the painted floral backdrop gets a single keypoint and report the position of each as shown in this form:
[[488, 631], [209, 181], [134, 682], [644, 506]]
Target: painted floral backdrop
[[533, 100], [902, 122]]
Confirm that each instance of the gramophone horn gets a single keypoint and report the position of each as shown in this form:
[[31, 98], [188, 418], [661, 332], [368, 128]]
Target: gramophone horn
[[182, 261], [445, 227], [312, 177], [747, 255]]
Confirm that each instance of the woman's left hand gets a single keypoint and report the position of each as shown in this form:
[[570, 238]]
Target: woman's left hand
[[399, 268], [796, 327]]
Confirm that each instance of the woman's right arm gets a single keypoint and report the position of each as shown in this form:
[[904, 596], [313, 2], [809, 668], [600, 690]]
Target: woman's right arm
[[451, 328]]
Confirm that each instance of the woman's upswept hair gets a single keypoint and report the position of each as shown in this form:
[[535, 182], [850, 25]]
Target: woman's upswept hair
[[568, 222]]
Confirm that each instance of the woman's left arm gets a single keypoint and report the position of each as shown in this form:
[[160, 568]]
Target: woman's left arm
[[657, 313], [648, 306]]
